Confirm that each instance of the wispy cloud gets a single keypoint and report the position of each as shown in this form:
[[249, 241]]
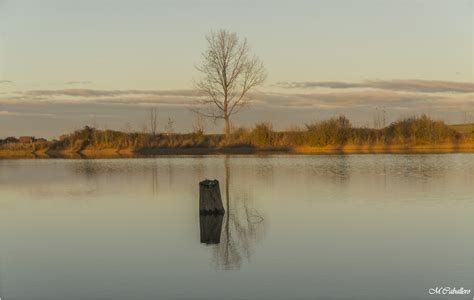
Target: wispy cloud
[[338, 99], [79, 82], [170, 98], [407, 85], [317, 84], [110, 93], [5, 81], [348, 100], [77, 106], [57, 109], [25, 114]]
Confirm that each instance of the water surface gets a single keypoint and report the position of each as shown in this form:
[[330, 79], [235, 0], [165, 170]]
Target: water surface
[[297, 227]]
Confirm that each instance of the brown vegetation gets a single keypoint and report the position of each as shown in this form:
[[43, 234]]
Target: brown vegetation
[[416, 134]]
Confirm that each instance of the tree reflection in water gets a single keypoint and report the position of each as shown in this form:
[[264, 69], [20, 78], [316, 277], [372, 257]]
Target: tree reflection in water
[[242, 229]]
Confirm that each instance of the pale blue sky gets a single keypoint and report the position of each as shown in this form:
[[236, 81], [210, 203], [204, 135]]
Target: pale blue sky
[[110, 44]]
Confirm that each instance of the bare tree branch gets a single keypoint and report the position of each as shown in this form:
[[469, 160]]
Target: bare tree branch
[[229, 73]]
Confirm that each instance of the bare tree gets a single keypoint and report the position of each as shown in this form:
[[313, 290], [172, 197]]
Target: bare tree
[[199, 125], [169, 127], [153, 120], [229, 72]]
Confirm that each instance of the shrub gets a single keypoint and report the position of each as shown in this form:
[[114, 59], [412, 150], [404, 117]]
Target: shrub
[[421, 130], [335, 131], [365, 135], [240, 137], [262, 134]]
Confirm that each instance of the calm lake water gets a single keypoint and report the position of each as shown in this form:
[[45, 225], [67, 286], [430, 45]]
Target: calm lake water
[[297, 227]]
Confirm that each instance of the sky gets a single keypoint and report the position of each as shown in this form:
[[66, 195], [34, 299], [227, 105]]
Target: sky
[[65, 64]]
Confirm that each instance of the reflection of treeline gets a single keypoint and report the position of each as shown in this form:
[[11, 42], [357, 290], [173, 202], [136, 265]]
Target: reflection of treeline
[[336, 131]]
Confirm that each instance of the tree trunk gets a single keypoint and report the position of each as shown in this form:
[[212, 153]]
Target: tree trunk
[[210, 201], [227, 126]]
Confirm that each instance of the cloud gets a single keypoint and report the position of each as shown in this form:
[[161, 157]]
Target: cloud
[[177, 98], [27, 114], [407, 85], [56, 111], [110, 93], [366, 101], [316, 84], [147, 100], [339, 99], [80, 82], [6, 81], [115, 105], [343, 99], [424, 86]]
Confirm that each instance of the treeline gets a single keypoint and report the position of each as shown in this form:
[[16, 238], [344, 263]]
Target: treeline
[[335, 132], [106, 139], [338, 131]]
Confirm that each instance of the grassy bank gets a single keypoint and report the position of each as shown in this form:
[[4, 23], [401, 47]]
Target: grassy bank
[[336, 135]]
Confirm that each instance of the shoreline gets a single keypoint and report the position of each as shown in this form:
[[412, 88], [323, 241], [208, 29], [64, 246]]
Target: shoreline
[[143, 153]]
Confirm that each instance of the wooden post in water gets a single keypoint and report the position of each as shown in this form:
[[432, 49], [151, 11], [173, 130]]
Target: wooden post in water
[[210, 201]]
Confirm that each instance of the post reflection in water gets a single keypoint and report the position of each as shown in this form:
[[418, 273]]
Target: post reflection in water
[[210, 228], [240, 230]]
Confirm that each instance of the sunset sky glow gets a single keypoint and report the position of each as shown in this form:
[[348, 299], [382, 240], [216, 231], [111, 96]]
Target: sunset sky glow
[[65, 64]]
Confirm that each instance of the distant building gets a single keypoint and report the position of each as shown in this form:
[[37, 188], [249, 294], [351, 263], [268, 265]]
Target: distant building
[[27, 139]]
